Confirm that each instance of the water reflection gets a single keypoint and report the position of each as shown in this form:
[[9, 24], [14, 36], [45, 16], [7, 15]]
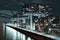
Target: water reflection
[[12, 34]]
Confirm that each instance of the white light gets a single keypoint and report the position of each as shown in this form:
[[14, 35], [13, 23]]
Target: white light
[[41, 6], [47, 6], [32, 7]]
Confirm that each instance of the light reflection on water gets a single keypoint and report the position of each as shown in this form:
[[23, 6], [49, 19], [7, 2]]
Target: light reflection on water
[[12, 34]]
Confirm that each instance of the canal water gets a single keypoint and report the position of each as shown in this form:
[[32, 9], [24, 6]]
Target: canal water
[[11, 34]]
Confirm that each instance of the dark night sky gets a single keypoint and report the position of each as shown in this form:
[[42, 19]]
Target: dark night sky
[[56, 6], [8, 5], [12, 5]]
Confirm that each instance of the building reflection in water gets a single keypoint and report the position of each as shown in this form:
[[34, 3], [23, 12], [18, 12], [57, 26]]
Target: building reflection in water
[[12, 34]]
